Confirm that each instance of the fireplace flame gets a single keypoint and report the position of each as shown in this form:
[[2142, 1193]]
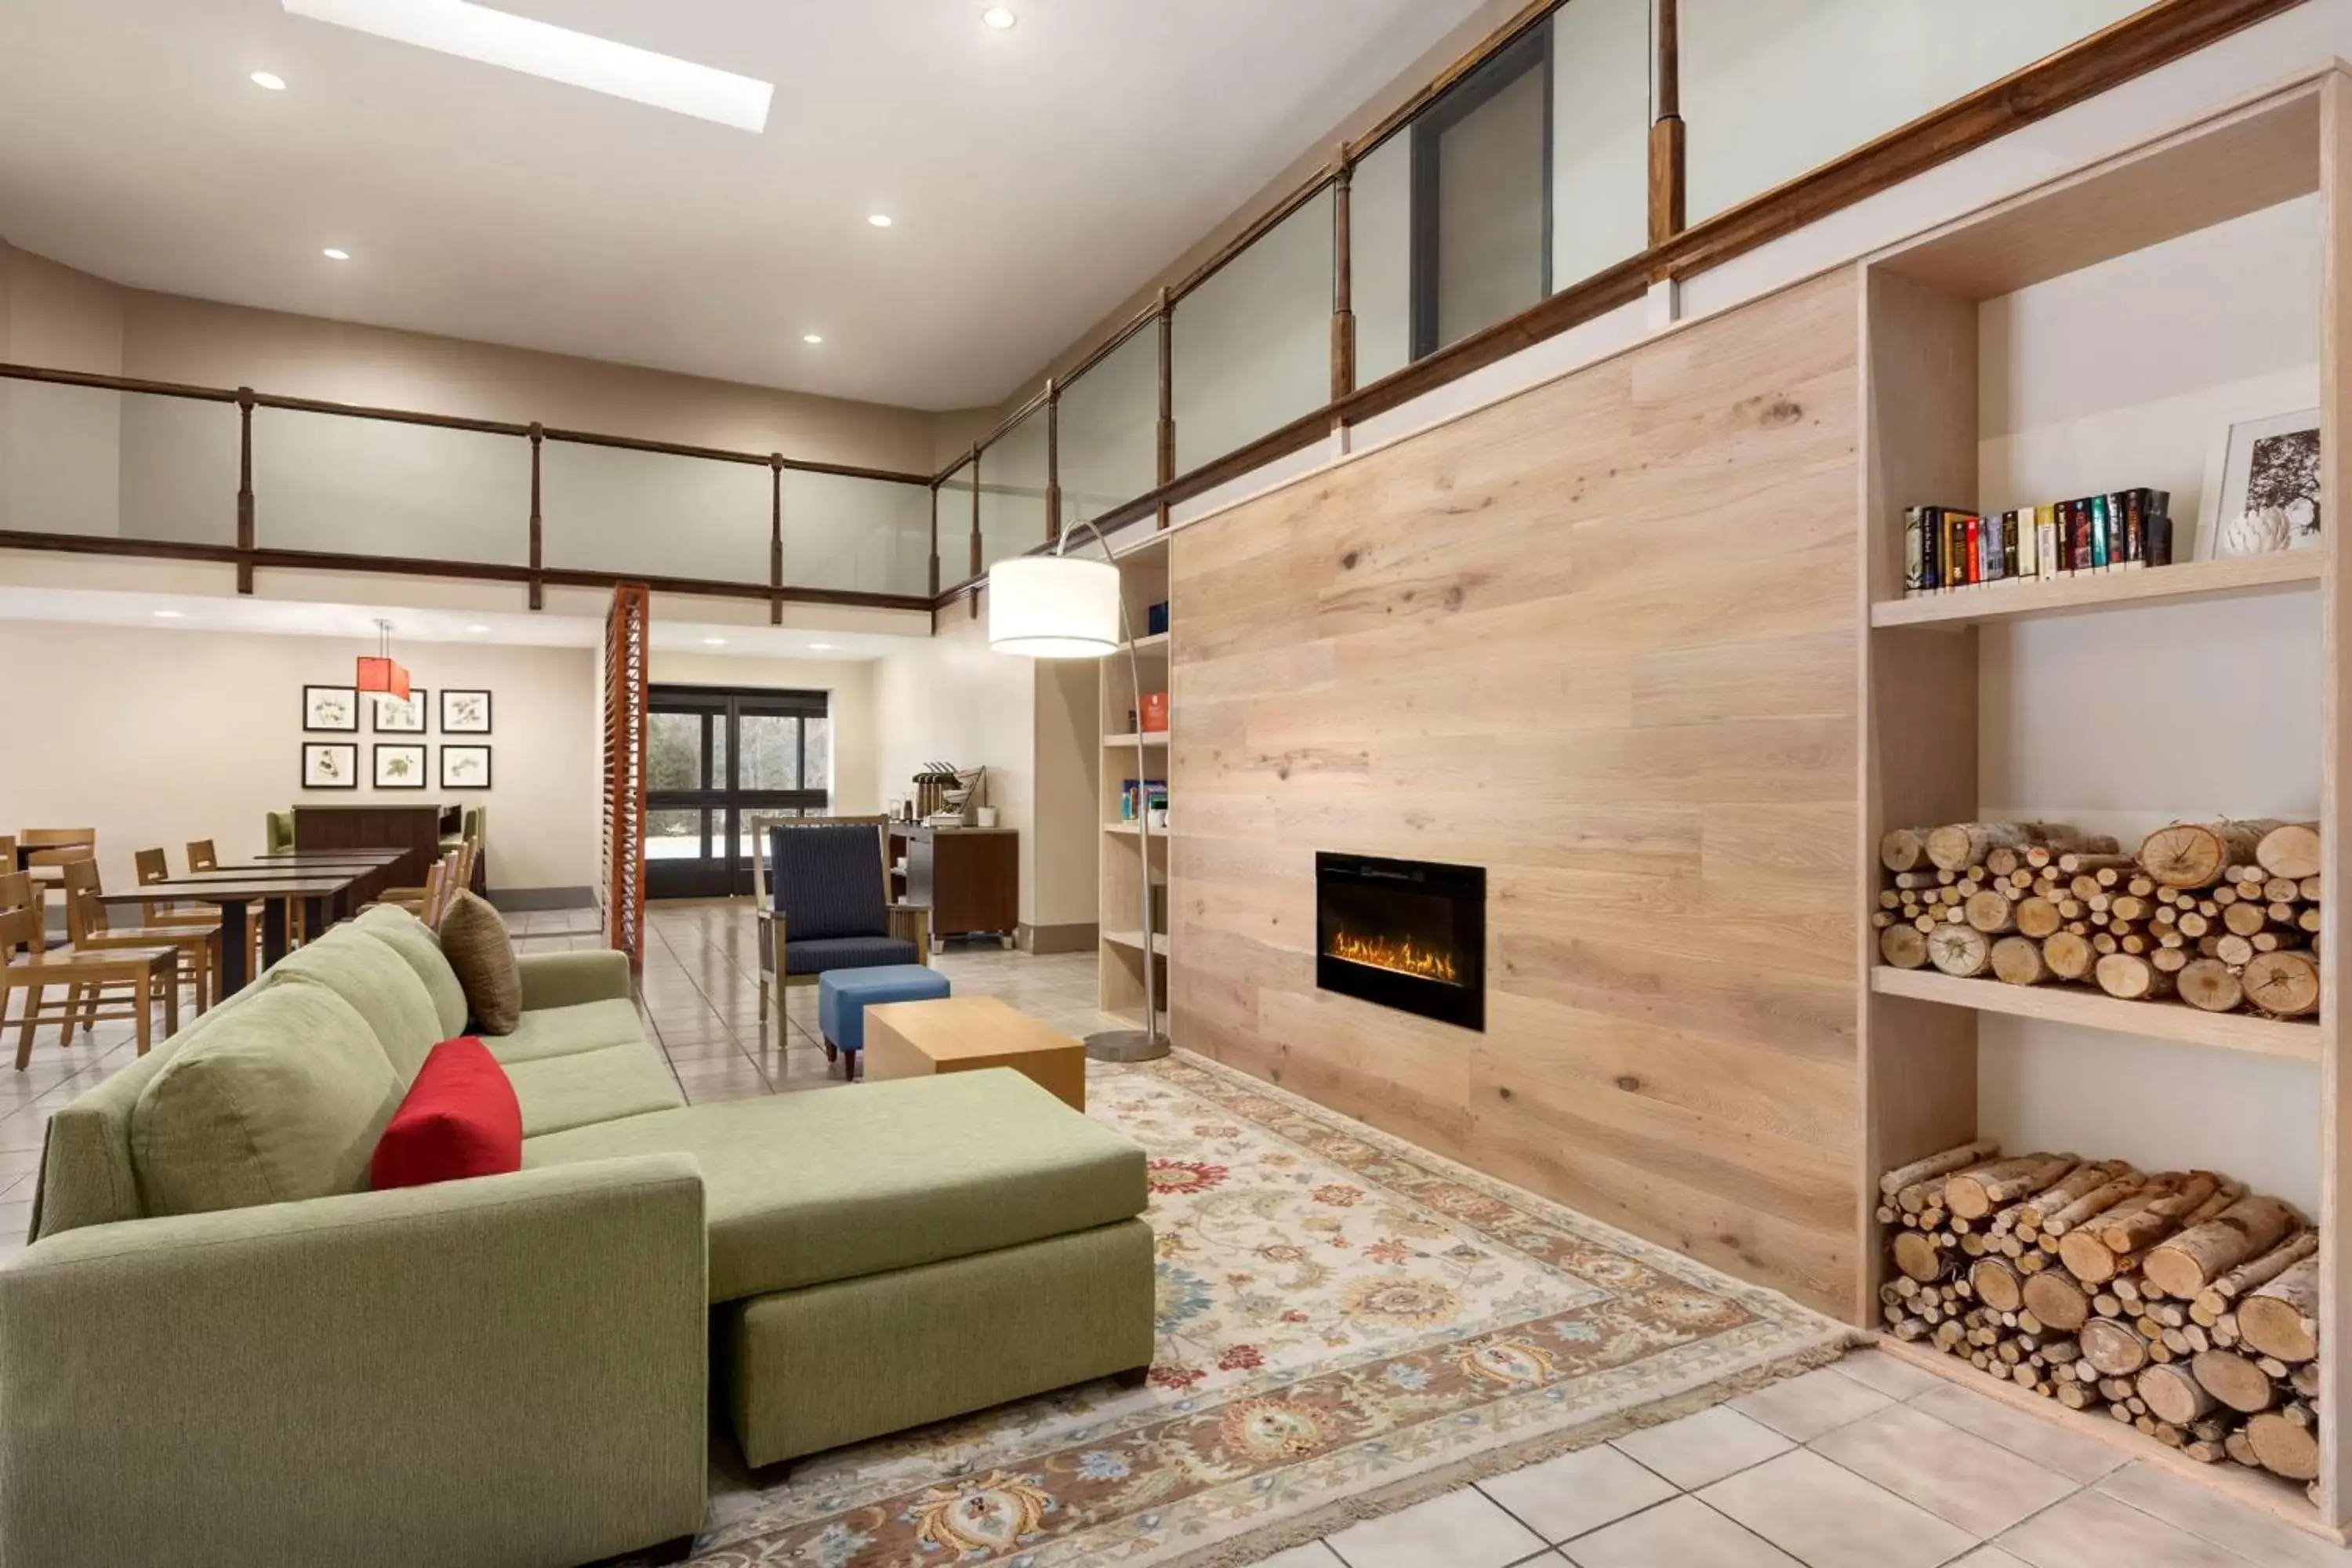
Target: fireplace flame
[[1398, 957]]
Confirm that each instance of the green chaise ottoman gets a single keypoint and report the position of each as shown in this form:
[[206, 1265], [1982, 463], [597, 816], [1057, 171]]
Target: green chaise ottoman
[[903, 1253]]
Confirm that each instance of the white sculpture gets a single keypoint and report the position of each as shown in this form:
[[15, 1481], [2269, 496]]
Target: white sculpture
[[2258, 533]]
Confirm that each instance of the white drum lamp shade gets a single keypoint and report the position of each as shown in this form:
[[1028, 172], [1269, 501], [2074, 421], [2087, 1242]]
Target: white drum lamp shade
[[1052, 606]]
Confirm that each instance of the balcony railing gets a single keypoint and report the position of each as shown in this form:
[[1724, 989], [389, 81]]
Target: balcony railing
[[1584, 151]]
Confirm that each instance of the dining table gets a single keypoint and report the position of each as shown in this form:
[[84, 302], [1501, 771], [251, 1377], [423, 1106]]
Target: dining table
[[325, 894]]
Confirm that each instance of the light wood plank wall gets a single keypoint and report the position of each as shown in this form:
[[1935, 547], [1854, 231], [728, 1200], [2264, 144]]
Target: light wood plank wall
[[1599, 640]]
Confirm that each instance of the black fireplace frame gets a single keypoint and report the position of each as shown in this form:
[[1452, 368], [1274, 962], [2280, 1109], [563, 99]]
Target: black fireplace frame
[[1463, 1005]]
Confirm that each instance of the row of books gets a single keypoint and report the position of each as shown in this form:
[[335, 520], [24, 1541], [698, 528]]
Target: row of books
[[1946, 547], [1152, 792]]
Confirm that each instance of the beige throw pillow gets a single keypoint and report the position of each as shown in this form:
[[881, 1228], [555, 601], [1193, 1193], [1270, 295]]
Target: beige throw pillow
[[474, 940]]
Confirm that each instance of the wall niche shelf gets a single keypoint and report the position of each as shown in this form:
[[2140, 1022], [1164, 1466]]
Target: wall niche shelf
[[1951, 730], [1152, 738]]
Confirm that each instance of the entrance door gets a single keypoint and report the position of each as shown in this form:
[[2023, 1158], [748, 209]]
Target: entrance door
[[717, 758]]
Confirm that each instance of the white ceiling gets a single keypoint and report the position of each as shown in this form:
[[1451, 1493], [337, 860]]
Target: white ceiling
[[1038, 177]]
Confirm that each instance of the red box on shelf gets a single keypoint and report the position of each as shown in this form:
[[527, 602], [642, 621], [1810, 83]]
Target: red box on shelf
[[1155, 713]]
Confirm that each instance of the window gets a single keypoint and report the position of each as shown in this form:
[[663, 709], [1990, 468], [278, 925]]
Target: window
[[718, 757]]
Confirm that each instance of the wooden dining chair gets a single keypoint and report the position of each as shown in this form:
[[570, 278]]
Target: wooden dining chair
[[27, 965], [150, 866], [90, 931], [201, 857], [429, 902], [46, 851]]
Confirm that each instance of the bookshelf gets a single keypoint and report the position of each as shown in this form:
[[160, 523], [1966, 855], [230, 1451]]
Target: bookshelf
[[1125, 863], [1949, 325]]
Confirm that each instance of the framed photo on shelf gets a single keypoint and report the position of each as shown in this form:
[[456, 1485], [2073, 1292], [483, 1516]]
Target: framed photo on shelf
[[2263, 463], [330, 709], [465, 767], [399, 766], [331, 765], [465, 712], [401, 715]]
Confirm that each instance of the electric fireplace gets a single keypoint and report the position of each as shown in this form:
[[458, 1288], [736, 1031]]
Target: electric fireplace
[[1409, 934]]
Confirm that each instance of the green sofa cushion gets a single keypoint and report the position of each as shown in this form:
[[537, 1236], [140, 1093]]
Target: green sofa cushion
[[558, 1093], [379, 984], [281, 1098], [87, 1175], [544, 1032], [414, 942], [838, 1184]]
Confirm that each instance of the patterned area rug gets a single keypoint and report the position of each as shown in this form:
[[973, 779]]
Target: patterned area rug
[[1346, 1324]]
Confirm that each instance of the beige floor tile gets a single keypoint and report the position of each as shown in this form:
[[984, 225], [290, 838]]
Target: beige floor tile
[[1989, 1557], [1685, 1534], [1828, 1517], [2077, 1457], [1460, 1530], [1703, 1448], [1314, 1554], [1957, 1476], [1803, 1408], [1577, 1492], [2210, 1516], [2091, 1529], [1894, 1378]]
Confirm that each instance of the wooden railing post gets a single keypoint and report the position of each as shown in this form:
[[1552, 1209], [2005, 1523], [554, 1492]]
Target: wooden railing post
[[776, 538], [537, 526], [1343, 286], [1167, 468], [935, 541], [1052, 461], [244, 490], [1666, 154], [974, 597]]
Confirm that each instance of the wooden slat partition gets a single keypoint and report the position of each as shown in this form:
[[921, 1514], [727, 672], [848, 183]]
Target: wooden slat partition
[[627, 653]]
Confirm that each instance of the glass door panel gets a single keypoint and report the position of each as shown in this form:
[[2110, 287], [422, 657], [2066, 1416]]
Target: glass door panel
[[719, 759]]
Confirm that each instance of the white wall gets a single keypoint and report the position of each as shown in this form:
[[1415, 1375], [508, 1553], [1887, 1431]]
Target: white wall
[[848, 686], [2122, 374], [156, 737]]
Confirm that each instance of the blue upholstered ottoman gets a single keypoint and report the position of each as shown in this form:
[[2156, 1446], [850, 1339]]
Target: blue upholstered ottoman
[[844, 994]]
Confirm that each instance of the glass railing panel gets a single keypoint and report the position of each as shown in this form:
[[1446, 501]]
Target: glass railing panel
[[1110, 429], [1253, 345], [1770, 92], [122, 465], [655, 514], [864, 536], [1012, 492], [1380, 257], [1601, 64], [955, 512], [350, 486]]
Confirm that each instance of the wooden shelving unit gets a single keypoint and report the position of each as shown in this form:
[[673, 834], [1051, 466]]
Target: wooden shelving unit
[[1924, 679], [1126, 863]]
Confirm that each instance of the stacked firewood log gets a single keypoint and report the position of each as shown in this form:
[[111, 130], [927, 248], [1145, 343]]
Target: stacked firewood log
[[2221, 915], [2178, 1302]]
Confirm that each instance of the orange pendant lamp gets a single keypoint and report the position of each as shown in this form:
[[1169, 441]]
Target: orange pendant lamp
[[378, 674]]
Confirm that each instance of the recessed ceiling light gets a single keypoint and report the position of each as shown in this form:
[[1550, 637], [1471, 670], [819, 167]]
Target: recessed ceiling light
[[820, 646], [269, 81], [170, 615], [477, 630], [336, 253], [999, 17], [558, 54], [714, 642], [879, 220], [811, 337]]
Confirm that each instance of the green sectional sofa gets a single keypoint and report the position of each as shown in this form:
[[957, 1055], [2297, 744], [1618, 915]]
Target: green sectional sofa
[[220, 1348]]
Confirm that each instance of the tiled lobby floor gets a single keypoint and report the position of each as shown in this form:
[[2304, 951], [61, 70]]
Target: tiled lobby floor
[[1869, 1464]]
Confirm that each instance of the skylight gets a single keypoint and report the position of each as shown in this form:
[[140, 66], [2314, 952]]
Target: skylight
[[558, 54]]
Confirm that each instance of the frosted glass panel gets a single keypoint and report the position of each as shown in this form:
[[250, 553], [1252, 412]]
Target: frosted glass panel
[[129, 465], [373, 487], [610, 508], [955, 528], [866, 536], [1012, 492], [1253, 344], [1110, 426], [1600, 136], [1380, 257], [1771, 89]]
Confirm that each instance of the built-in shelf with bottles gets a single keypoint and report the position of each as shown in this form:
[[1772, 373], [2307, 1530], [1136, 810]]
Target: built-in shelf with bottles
[[1131, 860]]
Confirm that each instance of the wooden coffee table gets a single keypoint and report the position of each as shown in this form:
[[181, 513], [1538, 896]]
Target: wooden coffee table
[[964, 1034]]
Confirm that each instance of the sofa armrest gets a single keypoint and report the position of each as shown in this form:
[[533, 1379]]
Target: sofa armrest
[[505, 1370], [564, 979]]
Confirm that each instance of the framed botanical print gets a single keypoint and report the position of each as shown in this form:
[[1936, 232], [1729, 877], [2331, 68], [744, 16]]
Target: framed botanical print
[[465, 767], [399, 766], [465, 712], [331, 765], [401, 715], [332, 710]]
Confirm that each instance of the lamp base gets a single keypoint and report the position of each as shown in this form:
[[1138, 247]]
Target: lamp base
[[1127, 1046]]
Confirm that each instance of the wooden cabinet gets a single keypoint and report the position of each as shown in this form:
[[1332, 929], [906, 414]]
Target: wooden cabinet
[[415, 828], [971, 876]]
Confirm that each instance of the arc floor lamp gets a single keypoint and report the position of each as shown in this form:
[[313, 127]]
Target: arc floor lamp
[[1065, 606]]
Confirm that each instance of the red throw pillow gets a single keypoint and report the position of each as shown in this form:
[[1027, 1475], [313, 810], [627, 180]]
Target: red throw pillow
[[459, 1118]]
